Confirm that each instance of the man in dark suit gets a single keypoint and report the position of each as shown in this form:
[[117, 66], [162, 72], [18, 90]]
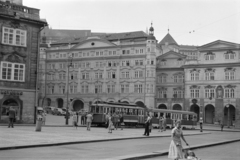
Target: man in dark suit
[[12, 116]]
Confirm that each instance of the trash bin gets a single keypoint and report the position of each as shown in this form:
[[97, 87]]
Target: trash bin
[[39, 124], [39, 119]]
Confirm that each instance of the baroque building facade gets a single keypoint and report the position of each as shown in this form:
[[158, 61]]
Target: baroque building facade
[[20, 28], [111, 67], [212, 83]]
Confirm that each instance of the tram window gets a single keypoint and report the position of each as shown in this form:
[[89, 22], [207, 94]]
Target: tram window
[[104, 110], [108, 110], [97, 109], [168, 115], [155, 114]]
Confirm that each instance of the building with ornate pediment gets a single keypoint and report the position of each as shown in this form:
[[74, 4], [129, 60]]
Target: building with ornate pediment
[[212, 83], [111, 67], [20, 28], [202, 79]]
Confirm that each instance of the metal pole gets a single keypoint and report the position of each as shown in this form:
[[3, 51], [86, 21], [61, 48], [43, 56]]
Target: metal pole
[[228, 116], [67, 90]]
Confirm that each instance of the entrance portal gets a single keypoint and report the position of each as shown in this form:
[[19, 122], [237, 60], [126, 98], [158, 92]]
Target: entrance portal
[[229, 115], [60, 102], [209, 113], [78, 105], [48, 102], [195, 108], [6, 104]]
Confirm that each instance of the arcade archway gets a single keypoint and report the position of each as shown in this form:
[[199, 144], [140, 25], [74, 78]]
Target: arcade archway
[[60, 102], [196, 109], [209, 113], [78, 105], [140, 104], [229, 114], [162, 106], [177, 107], [48, 102], [6, 105]]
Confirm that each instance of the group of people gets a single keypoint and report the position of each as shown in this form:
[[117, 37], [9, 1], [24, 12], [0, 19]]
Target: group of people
[[86, 118], [148, 125], [113, 121]]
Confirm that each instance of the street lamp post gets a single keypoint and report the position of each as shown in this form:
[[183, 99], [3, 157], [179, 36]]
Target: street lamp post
[[228, 106], [68, 65]]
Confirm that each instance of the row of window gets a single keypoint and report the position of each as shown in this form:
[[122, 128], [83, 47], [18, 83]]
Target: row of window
[[210, 93], [229, 75], [96, 53], [194, 93], [176, 79], [100, 64], [99, 75], [98, 88], [227, 56], [176, 94]]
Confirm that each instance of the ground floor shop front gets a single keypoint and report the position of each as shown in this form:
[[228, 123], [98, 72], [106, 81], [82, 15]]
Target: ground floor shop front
[[23, 102]]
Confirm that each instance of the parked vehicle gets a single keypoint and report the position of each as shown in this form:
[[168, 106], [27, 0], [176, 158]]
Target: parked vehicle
[[59, 111], [50, 109]]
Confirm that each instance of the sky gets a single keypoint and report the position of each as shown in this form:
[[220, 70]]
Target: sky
[[190, 22]]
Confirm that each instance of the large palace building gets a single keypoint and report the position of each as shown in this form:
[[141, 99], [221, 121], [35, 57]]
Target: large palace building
[[20, 28], [110, 67]]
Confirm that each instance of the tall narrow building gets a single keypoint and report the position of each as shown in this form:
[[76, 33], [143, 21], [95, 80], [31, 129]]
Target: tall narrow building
[[20, 28]]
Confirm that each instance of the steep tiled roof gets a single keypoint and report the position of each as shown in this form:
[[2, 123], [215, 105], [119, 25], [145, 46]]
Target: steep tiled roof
[[168, 39], [125, 35], [109, 37]]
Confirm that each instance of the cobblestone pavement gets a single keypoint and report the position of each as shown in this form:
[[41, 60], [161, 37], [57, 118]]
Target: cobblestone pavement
[[26, 135]]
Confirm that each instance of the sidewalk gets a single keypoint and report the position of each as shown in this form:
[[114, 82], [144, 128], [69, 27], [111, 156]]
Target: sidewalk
[[26, 136]]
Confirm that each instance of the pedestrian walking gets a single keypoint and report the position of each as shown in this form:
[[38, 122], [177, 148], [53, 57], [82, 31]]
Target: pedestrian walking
[[150, 125], [82, 118], [175, 149], [107, 120], [146, 132], [44, 114], [75, 120], [164, 122], [89, 120], [160, 124], [201, 124], [221, 125], [110, 126], [116, 120], [121, 121], [11, 116]]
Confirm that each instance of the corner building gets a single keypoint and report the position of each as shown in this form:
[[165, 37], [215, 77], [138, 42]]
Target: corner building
[[20, 28], [111, 67], [212, 83]]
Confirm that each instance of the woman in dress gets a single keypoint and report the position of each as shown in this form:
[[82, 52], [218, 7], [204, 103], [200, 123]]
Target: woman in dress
[[175, 149], [110, 124]]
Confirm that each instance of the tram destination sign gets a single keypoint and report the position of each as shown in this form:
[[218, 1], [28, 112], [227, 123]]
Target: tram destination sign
[[11, 92]]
